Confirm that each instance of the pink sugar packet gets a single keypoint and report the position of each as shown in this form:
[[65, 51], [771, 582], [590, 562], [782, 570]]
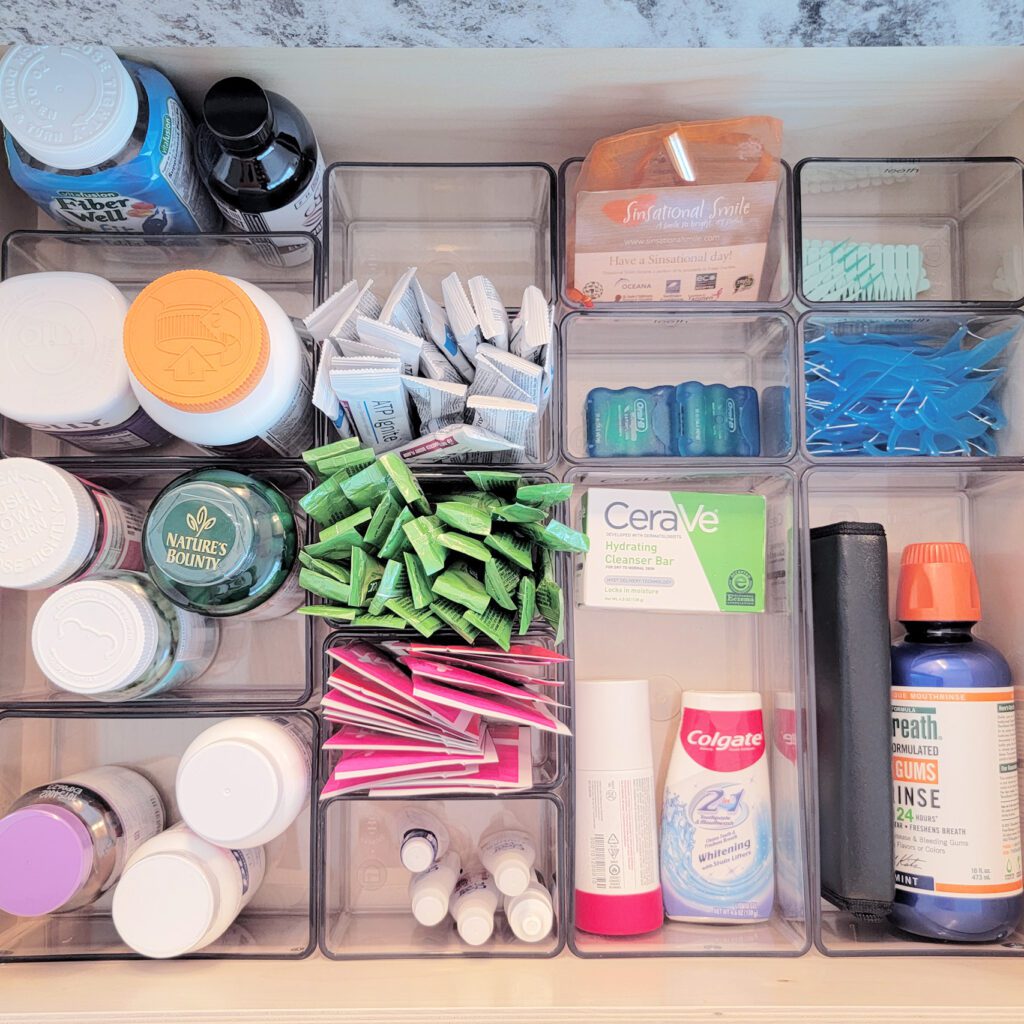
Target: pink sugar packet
[[341, 707], [517, 675], [368, 661], [488, 706], [354, 737], [337, 787], [361, 763], [467, 679], [525, 653], [370, 691]]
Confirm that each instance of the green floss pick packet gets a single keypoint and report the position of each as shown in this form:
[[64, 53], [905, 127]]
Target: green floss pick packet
[[674, 551]]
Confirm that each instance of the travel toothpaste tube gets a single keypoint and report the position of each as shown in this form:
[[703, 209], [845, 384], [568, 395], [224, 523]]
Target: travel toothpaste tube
[[375, 402], [462, 317], [439, 331], [438, 403], [490, 311]]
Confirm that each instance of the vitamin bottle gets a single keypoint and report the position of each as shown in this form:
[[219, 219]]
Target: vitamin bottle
[[116, 638], [99, 143], [954, 761], [261, 162], [222, 543], [55, 527], [62, 349], [179, 893], [65, 844], [217, 362], [244, 781]]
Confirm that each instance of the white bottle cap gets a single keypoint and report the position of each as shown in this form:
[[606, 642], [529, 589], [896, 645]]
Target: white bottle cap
[[96, 636], [475, 925], [722, 700], [62, 350], [48, 524], [429, 904], [228, 791], [165, 904], [419, 851], [613, 725], [70, 107], [511, 873], [530, 916]]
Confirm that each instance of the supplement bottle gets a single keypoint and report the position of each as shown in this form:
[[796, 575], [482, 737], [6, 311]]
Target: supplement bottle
[[260, 160], [179, 893], [55, 527], [217, 362], [100, 144], [424, 838], [65, 844], [954, 761], [244, 781], [430, 890], [222, 543], [62, 350], [117, 638]]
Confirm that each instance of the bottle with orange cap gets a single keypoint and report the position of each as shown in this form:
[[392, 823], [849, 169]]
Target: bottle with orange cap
[[216, 361], [954, 760]]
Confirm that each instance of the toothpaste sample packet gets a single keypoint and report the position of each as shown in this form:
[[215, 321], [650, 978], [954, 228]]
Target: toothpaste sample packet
[[674, 551]]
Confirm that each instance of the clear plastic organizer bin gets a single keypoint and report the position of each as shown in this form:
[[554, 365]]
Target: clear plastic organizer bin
[[951, 231], [267, 663], [490, 219], [37, 748], [364, 911], [980, 507], [778, 274], [641, 349], [677, 651], [131, 262], [926, 399]]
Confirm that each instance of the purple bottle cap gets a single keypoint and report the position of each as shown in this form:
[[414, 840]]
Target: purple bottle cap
[[46, 856]]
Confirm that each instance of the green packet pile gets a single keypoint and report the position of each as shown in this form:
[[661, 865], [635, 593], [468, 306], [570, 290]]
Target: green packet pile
[[477, 556]]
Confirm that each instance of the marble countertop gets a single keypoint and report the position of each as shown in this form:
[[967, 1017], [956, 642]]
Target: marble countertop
[[518, 23]]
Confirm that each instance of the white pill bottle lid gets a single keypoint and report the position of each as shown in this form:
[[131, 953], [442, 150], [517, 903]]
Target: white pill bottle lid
[[70, 107]]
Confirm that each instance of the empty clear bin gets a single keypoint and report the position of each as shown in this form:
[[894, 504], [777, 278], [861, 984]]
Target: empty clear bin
[[132, 262], [713, 651], [979, 507], [39, 748], [648, 350], [365, 905], [267, 662], [777, 274], [490, 219], [906, 384], [928, 230]]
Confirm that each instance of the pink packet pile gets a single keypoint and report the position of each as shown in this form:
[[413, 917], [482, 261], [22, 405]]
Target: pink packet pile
[[437, 720]]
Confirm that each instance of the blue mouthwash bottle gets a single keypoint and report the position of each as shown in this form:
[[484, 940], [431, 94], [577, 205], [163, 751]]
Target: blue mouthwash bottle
[[954, 759], [100, 144]]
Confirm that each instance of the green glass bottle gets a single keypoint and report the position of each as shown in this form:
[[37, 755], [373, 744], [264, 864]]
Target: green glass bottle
[[222, 543]]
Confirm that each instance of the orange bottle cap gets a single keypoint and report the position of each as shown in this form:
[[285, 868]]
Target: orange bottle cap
[[195, 340], [937, 584]]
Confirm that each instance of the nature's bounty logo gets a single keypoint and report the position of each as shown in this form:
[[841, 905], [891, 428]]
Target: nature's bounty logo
[[201, 521], [185, 543]]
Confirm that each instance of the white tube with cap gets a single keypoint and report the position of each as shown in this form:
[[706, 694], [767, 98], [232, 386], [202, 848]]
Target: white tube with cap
[[473, 904], [531, 914], [430, 890], [509, 855], [424, 838]]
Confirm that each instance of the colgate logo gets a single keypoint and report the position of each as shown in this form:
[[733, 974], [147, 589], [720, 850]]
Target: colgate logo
[[785, 733], [724, 741]]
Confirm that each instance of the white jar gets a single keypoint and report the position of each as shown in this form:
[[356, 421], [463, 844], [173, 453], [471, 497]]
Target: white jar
[[424, 838], [531, 914], [509, 854], [216, 361], [430, 891], [473, 904], [179, 893], [244, 781], [55, 527], [117, 638], [64, 371]]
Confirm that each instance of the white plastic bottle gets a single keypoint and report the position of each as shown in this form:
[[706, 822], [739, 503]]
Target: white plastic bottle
[[179, 893], [245, 780], [717, 861], [531, 914], [430, 890], [473, 905], [62, 350], [55, 528], [116, 637], [217, 362], [423, 838], [508, 854]]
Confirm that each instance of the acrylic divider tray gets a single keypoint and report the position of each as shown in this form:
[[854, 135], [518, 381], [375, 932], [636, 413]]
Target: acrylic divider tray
[[37, 748], [929, 231], [265, 662], [979, 506], [912, 384], [677, 651], [777, 276], [651, 350], [133, 261], [365, 908]]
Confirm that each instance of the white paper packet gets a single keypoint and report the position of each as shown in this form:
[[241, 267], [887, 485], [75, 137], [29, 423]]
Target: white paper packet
[[374, 401], [324, 397], [401, 308], [534, 326], [524, 374], [455, 443], [405, 345], [490, 381], [461, 316], [439, 331], [434, 366], [325, 316], [361, 302], [437, 403], [490, 311], [518, 422], [356, 349]]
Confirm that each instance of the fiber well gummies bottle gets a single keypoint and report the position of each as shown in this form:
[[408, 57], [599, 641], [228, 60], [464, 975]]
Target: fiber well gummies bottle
[[217, 362], [954, 760]]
